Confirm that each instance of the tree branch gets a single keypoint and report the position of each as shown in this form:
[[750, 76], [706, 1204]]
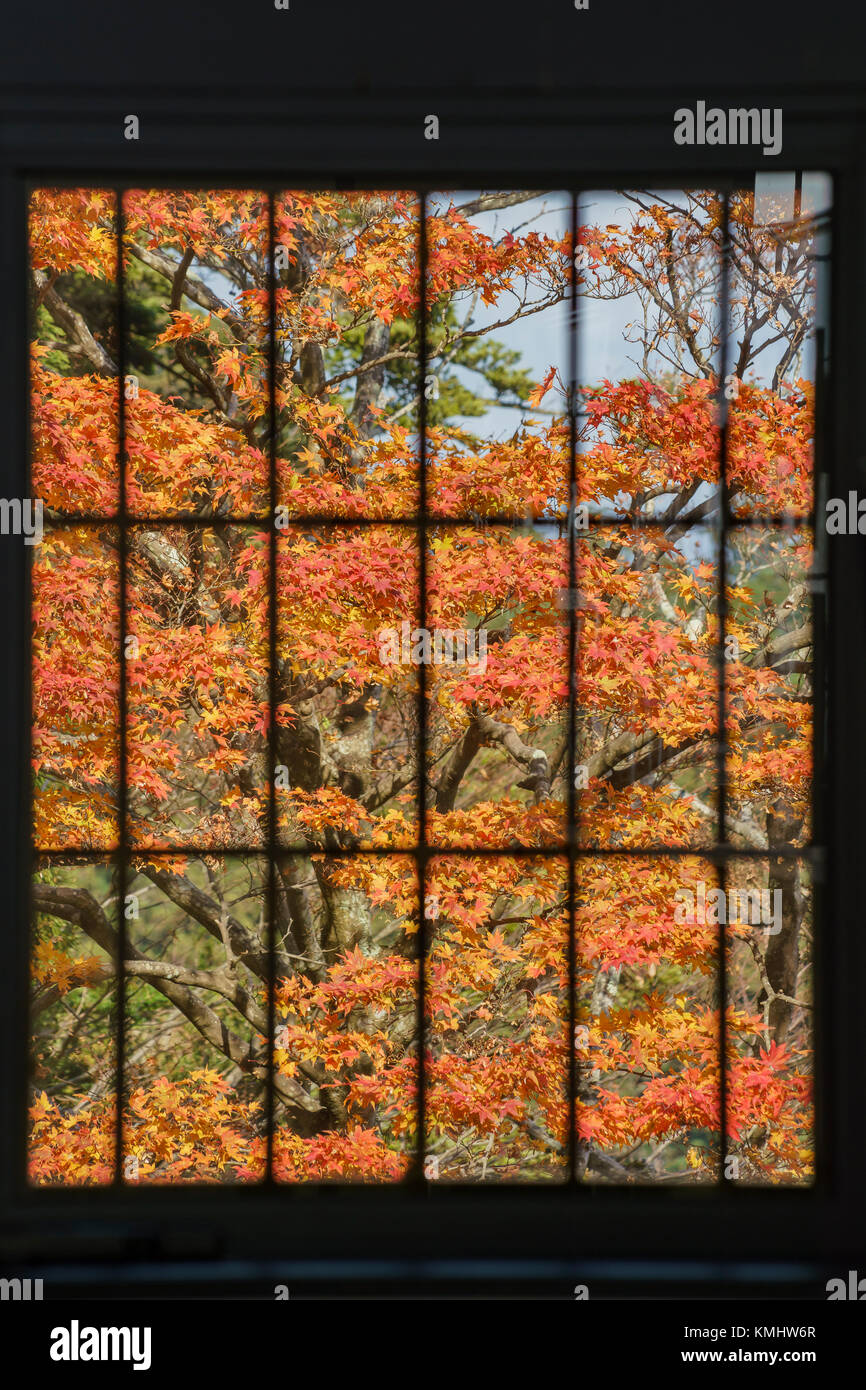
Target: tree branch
[[73, 326]]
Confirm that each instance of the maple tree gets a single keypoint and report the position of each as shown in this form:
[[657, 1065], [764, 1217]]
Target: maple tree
[[494, 907]]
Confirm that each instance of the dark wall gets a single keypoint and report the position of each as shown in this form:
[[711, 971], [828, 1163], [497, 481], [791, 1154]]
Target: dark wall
[[331, 45]]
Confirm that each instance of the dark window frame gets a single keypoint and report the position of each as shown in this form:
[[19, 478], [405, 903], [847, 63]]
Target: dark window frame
[[553, 1226]]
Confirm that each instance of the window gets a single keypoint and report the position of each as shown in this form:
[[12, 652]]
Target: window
[[403, 556]]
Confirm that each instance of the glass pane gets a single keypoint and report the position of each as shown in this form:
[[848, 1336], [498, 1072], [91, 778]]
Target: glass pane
[[497, 685], [195, 1070], [75, 693], [73, 1023], [771, 1040], [647, 688], [196, 290], [778, 346], [73, 386], [499, 365], [347, 687], [197, 670], [649, 332], [647, 1034], [769, 686], [347, 286], [346, 1043], [497, 1019]]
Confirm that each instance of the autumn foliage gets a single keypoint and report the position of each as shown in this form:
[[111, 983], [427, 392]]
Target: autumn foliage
[[603, 621]]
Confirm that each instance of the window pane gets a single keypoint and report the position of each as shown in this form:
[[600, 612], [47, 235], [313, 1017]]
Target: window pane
[[497, 1019], [649, 332], [770, 1054], [196, 308], [346, 1043], [73, 1023], [347, 293], [195, 1069], [647, 650], [74, 364], [76, 680], [647, 1020], [769, 686], [779, 344], [498, 300], [197, 670], [347, 687], [497, 685]]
